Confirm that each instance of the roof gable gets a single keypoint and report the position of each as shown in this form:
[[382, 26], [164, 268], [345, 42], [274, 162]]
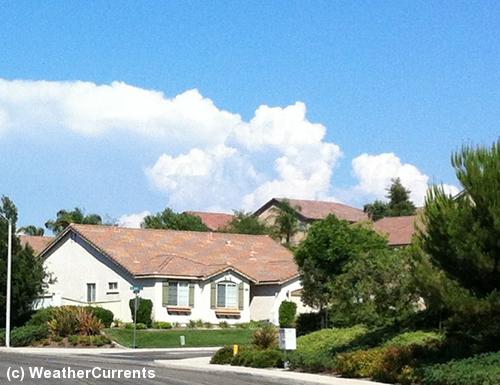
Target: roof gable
[[316, 210]]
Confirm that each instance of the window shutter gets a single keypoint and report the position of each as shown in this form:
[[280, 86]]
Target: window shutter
[[191, 294], [241, 296], [165, 294], [213, 294]]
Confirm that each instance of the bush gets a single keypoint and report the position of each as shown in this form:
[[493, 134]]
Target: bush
[[144, 309], [259, 358], [418, 337], [64, 321], [28, 334], [139, 326], [224, 325], [316, 351], [310, 322], [287, 313], [361, 363], [41, 317], [222, 356], [162, 325], [88, 323], [249, 356], [266, 337], [89, 340], [483, 369], [104, 315]]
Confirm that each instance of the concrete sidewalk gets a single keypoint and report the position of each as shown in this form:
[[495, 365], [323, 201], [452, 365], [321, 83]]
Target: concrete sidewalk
[[97, 351], [202, 364]]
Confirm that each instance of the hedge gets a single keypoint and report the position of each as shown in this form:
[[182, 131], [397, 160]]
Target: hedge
[[287, 312], [144, 309], [28, 334], [249, 356], [316, 351], [483, 369], [104, 315]]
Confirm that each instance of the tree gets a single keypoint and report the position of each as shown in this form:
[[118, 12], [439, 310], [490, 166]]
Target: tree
[[28, 274], [399, 203], [286, 222], [246, 223], [460, 234], [399, 199], [31, 230], [376, 210], [351, 269], [458, 240], [64, 218], [168, 219]]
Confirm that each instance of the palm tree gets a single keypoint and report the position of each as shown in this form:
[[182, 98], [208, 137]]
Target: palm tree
[[286, 222], [31, 230], [64, 218]]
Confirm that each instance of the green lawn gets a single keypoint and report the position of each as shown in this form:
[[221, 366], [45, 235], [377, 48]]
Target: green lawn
[[170, 338]]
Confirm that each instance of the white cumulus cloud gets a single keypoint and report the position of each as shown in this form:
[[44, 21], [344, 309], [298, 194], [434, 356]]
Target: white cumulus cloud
[[374, 174], [211, 157], [133, 220]]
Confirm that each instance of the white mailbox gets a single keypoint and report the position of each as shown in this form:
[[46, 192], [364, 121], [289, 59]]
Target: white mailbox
[[288, 339]]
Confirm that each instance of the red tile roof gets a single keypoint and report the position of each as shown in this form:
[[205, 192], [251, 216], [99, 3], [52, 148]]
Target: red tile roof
[[146, 252], [399, 230], [214, 221], [37, 243], [314, 210]]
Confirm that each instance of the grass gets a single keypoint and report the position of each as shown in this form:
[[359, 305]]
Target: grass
[[171, 338]]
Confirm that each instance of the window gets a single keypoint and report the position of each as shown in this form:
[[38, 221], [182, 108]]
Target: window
[[227, 295], [178, 294], [90, 292], [113, 286]]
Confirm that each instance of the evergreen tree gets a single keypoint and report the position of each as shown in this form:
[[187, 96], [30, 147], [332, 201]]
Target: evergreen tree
[[399, 203], [27, 270]]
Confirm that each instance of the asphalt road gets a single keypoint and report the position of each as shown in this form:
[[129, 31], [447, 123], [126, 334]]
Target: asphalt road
[[14, 364]]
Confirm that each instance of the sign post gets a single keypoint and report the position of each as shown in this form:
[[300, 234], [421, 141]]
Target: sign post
[[136, 290], [288, 341]]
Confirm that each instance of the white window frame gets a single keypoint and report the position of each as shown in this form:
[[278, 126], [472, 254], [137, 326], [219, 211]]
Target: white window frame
[[91, 294], [112, 288], [182, 291], [228, 304]]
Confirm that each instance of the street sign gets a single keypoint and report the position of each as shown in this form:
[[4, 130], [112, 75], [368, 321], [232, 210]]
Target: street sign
[[136, 288]]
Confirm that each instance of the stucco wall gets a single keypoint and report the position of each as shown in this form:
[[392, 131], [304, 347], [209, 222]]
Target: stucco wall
[[73, 264], [269, 218]]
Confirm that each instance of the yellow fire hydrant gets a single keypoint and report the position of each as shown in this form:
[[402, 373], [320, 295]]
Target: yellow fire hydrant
[[235, 350]]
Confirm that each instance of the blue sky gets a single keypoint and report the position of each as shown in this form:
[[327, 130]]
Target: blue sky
[[404, 83]]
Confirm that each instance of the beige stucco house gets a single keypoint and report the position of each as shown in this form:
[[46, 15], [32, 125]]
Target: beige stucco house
[[309, 211], [187, 275]]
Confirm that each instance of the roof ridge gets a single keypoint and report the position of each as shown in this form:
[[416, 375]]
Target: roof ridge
[[218, 233]]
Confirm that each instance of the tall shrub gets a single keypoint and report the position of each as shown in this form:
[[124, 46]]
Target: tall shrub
[[144, 310], [287, 313]]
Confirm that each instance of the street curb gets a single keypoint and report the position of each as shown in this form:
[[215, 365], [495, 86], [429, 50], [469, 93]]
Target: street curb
[[98, 351], [202, 364]]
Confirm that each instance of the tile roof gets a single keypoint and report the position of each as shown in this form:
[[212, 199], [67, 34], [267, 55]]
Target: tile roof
[[314, 210], [37, 243], [214, 221], [145, 252], [399, 230]]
